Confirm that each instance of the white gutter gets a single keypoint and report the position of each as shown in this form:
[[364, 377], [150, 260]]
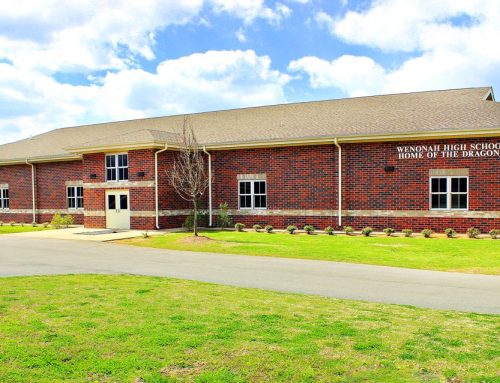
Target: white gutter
[[340, 181], [210, 224], [157, 208], [33, 188]]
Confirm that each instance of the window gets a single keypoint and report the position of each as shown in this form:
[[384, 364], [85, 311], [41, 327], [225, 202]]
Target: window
[[4, 198], [117, 167], [252, 195], [75, 197], [449, 193]]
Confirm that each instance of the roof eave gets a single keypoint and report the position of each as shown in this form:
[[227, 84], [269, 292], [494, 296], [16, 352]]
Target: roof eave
[[358, 138]]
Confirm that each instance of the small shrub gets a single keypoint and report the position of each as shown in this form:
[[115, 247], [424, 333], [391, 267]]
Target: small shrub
[[329, 230], [257, 227], [348, 230], [57, 221], [189, 221], [367, 231], [224, 219], [21, 224], [239, 226], [450, 233], [407, 232], [45, 224], [12, 223], [268, 229], [473, 232], [309, 229], [291, 229], [145, 234], [427, 233], [494, 233], [389, 231], [68, 220], [34, 224]]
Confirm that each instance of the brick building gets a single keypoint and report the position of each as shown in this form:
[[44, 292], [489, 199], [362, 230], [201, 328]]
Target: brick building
[[416, 160]]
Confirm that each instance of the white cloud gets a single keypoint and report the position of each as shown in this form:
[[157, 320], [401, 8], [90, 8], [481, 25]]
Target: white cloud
[[240, 35], [454, 44], [202, 81], [249, 10], [51, 36], [355, 75]]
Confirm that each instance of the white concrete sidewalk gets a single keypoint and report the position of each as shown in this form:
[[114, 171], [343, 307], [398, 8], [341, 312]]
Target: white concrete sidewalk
[[82, 234]]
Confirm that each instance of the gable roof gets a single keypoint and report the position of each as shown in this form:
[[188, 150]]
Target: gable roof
[[421, 114]]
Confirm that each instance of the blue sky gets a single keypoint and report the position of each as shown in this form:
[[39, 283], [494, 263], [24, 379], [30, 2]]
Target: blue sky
[[64, 65]]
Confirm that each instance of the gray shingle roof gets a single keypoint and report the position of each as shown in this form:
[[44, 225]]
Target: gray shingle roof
[[432, 112]]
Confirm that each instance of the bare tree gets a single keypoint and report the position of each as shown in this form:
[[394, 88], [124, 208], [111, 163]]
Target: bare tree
[[189, 176]]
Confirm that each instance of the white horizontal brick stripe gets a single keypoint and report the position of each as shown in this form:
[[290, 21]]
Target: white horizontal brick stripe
[[74, 183], [423, 213], [119, 185], [4, 186], [95, 213], [448, 172], [42, 211]]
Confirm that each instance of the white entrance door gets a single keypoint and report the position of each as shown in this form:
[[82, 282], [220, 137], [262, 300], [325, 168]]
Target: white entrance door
[[117, 209]]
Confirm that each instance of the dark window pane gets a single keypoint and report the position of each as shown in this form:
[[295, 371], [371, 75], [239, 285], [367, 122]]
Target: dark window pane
[[79, 203], [245, 187], [6, 203], [459, 201], [463, 185], [439, 201], [124, 175], [454, 185], [435, 201], [123, 201], [123, 160], [246, 201], [442, 201], [435, 185], [71, 203], [111, 202], [111, 175], [79, 191], [71, 192], [110, 161], [260, 201], [442, 185], [121, 174], [260, 187]]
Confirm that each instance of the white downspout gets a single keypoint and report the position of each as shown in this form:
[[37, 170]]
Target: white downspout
[[33, 194], [210, 224], [157, 208], [340, 181]]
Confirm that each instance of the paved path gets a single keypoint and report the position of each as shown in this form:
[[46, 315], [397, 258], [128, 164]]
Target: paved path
[[453, 291]]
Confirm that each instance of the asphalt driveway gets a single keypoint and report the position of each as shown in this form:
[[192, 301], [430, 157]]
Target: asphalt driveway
[[440, 290]]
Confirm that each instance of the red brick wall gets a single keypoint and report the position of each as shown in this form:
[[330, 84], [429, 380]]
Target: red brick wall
[[305, 178], [368, 186], [19, 179], [50, 189], [297, 177]]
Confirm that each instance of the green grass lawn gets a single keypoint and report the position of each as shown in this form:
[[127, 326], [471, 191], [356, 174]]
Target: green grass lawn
[[458, 254], [7, 229], [146, 329]]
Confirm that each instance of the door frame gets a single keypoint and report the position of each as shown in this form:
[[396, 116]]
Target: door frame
[[117, 192]]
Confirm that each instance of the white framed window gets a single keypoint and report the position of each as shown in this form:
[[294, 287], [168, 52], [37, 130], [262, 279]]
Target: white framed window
[[449, 193], [4, 198], [74, 197], [117, 167], [252, 194]]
